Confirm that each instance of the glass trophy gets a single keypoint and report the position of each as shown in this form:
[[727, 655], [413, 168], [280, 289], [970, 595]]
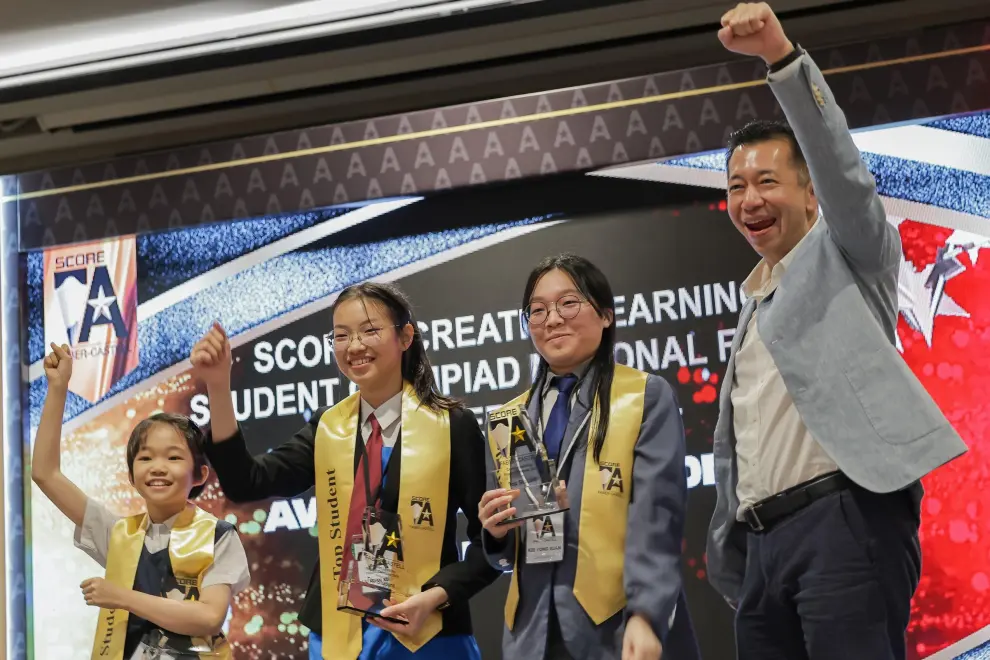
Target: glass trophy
[[522, 464], [367, 580]]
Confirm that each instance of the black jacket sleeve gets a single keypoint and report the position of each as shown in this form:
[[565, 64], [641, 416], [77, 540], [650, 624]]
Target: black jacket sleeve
[[463, 579], [285, 471]]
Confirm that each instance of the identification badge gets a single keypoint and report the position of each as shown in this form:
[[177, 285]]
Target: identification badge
[[545, 539]]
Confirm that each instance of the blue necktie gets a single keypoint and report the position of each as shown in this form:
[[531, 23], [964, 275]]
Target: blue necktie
[[553, 435]]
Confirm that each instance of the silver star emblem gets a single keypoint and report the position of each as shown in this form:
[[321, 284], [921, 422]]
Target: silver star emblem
[[921, 296], [101, 304]]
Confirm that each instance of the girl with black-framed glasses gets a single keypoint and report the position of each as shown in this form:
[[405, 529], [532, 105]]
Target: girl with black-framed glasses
[[397, 446]]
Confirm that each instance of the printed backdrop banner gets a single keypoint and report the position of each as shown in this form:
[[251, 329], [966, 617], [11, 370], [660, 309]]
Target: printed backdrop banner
[[270, 277], [91, 305], [675, 263], [465, 274], [929, 73]]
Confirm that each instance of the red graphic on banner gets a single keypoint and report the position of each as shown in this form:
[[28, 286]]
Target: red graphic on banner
[[953, 599]]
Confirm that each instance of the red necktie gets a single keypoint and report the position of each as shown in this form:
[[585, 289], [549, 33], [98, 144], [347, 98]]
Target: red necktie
[[359, 497]]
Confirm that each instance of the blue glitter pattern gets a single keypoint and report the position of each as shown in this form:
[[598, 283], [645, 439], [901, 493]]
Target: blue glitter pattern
[[936, 185], [977, 124], [171, 258], [167, 259], [267, 291], [35, 303], [981, 652], [710, 161]]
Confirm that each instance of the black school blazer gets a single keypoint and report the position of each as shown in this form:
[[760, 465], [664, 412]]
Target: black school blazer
[[289, 471]]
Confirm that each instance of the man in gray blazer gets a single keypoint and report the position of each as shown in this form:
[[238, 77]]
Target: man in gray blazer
[[823, 431]]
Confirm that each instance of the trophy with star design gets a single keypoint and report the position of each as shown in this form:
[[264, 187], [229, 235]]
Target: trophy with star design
[[367, 582], [522, 464]]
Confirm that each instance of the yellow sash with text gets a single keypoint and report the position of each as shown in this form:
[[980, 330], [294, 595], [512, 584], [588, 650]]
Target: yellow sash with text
[[598, 584], [423, 479], [190, 552]]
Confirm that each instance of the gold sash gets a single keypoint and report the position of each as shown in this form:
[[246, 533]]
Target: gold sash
[[423, 483], [190, 552], [598, 584]]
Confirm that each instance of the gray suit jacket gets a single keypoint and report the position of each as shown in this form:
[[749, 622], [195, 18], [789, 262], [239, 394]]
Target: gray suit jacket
[[830, 329], [653, 538]]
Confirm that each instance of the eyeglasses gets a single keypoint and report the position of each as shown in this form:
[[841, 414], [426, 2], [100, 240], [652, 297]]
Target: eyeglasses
[[567, 307], [340, 340]]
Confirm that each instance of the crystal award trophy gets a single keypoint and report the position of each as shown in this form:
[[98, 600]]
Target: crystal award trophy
[[367, 579], [522, 464]]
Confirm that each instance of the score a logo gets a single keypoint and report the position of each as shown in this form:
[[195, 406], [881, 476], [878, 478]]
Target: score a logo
[[611, 474], [422, 513], [91, 304], [544, 527], [72, 282]]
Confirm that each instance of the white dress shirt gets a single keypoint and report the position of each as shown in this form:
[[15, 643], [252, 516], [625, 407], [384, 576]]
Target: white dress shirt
[[389, 416], [774, 449]]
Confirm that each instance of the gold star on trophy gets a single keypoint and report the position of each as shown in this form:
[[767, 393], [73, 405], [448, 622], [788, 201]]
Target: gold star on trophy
[[393, 540]]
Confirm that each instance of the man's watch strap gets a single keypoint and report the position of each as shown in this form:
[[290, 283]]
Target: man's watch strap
[[781, 64]]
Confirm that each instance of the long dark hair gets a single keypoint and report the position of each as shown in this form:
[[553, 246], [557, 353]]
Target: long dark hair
[[594, 286], [415, 364]]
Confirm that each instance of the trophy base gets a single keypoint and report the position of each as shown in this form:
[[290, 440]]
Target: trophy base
[[364, 598], [531, 514], [371, 614]]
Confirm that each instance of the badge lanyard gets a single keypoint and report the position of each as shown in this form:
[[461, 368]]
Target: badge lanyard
[[539, 550], [372, 499]]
